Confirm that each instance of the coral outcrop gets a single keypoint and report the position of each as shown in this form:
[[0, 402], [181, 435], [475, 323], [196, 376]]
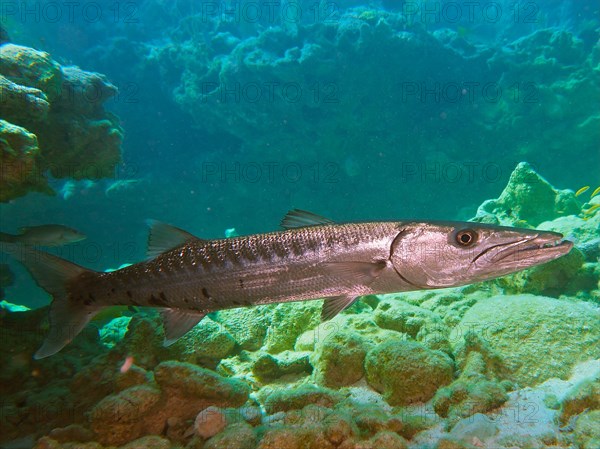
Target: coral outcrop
[[527, 201], [531, 335], [53, 120], [407, 372]]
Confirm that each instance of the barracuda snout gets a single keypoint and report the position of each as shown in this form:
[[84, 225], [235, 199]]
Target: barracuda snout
[[434, 255]]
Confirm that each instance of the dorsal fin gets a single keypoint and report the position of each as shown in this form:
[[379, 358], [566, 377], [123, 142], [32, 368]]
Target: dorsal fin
[[164, 237], [298, 218]]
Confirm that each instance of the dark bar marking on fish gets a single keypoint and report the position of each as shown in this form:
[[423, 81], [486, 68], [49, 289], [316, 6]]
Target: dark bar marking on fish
[[248, 253], [205, 293], [296, 248], [156, 301], [279, 249]]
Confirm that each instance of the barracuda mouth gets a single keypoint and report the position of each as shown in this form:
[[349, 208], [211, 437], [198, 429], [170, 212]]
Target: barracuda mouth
[[538, 249]]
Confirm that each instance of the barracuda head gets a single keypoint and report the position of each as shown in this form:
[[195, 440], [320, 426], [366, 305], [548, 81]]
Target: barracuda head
[[436, 255]]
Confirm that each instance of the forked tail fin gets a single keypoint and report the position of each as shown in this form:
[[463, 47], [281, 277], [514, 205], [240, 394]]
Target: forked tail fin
[[57, 276]]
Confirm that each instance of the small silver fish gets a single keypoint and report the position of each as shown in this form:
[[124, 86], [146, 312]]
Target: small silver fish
[[312, 258], [44, 235]]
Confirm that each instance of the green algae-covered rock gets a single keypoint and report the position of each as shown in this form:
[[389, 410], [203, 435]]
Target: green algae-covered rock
[[421, 324], [191, 380], [583, 396], [584, 231], [50, 443], [236, 436], [282, 400], [339, 359], [339, 427], [72, 432], [536, 338], [267, 367], [361, 324], [62, 108], [127, 405], [207, 339], [30, 67], [527, 200], [143, 341], [382, 440], [289, 321], [387, 440], [402, 317], [149, 442], [128, 415], [294, 437], [22, 104], [406, 372], [587, 430], [471, 393], [18, 152], [247, 325]]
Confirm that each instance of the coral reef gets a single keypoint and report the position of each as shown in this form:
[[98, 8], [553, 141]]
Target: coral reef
[[275, 88], [53, 120], [475, 366], [527, 201]]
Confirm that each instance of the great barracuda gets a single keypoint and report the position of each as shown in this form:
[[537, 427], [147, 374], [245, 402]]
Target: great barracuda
[[311, 258]]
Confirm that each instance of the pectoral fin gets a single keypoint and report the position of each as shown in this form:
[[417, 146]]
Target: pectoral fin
[[334, 305], [177, 323], [355, 272]]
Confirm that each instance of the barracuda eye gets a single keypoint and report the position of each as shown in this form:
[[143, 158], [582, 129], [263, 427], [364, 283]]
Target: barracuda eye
[[466, 237]]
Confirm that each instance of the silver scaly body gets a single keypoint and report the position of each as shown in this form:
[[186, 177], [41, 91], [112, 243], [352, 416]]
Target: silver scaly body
[[211, 275], [313, 258]]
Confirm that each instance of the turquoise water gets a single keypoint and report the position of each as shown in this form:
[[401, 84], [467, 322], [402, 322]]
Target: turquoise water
[[220, 115]]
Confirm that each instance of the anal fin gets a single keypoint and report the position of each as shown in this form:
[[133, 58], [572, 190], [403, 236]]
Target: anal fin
[[178, 322], [334, 305]]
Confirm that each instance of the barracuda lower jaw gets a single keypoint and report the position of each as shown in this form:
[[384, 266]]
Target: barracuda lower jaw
[[545, 247], [553, 244]]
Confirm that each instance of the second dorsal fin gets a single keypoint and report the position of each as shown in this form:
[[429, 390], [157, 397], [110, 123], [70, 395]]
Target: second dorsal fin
[[164, 237], [298, 218]]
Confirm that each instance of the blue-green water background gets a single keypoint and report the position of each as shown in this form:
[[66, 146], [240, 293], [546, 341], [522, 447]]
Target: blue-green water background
[[360, 149]]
